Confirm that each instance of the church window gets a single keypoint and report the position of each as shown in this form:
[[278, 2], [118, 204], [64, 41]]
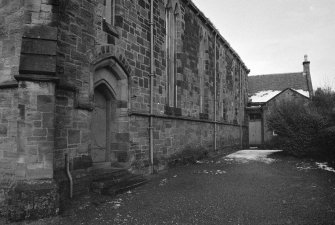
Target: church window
[[109, 11], [172, 14]]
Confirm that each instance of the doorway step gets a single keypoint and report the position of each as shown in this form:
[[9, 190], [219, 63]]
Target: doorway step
[[113, 181]]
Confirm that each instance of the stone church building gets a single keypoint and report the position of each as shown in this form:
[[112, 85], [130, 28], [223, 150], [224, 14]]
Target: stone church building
[[97, 82]]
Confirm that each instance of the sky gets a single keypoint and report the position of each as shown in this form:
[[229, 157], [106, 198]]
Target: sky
[[272, 36]]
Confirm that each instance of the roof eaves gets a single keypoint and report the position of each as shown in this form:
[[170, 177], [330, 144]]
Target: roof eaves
[[299, 93], [277, 95], [275, 74], [207, 22], [284, 91]]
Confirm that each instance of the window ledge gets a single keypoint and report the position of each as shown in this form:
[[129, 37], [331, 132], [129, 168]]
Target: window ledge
[[110, 29], [203, 116], [172, 111], [9, 84]]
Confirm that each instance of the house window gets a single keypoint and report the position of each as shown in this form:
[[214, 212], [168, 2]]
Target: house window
[[172, 14], [109, 11]]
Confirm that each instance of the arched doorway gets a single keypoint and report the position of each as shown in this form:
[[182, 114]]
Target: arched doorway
[[110, 120], [100, 124]]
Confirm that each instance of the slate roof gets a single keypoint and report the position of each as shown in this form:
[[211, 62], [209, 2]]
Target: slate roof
[[277, 82], [262, 88]]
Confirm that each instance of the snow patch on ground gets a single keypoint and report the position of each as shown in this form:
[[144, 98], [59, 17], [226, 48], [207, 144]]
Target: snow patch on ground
[[313, 166], [245, 156], [84, 206], [116, 203], [324, 166], [304, 166], [163, 182], [204, 161], [211, 172]]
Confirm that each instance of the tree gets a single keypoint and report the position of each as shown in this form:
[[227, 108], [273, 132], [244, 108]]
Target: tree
[[306, 129], [324, 103], [296, 125]]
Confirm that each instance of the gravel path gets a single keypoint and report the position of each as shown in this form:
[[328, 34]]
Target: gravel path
[[239, 190]]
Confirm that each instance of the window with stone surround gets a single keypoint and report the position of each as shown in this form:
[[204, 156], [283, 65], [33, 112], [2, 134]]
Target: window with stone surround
[[203, 49], [201, 85], [172, 13], [224, 110], [109, 20], [221, 100], [109, 11]]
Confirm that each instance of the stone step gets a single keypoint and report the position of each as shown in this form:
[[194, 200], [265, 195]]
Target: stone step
[[123, 188], [110, 181], [114, 182], [111, 173]]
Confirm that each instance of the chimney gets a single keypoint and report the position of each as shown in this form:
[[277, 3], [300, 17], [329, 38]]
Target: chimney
[[307, 73]]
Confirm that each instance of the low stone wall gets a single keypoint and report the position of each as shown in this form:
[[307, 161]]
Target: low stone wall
[[174, 135]]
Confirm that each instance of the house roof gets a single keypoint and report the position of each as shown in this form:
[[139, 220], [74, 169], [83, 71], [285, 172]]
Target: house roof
[[261, 98], [262, 88]]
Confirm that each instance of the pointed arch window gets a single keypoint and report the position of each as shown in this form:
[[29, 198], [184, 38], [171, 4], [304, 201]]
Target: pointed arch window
[[172, 13], [109, 11]]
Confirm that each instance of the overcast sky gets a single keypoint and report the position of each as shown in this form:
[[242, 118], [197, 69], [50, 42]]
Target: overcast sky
[[272, 36]]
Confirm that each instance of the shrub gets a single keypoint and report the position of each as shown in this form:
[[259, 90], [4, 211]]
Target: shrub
[[306, 130], [325, 140], [296, 126]]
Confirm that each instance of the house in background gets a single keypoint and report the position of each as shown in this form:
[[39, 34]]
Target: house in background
[[265, 91]]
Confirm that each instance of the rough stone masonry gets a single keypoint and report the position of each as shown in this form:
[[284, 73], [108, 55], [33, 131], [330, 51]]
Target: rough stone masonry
[[101, 82]]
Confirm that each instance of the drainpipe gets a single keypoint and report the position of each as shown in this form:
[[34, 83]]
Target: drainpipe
[[215, 97], [67, 163], [241, 110], [152, 73]]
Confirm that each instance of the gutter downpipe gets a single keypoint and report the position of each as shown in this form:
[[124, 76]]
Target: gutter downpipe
[[68, 173], [151, 84], [241, 110], [215, 95]]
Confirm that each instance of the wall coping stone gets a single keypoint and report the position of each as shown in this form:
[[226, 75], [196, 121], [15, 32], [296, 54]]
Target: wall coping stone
[[36, 77], [9, 84]]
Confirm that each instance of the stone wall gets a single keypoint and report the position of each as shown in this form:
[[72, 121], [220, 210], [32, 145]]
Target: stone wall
[[27, 58], [8, 137], [72, 127], [54, 54], [194, 79], [11, 29], [12, 18], [85, 38]]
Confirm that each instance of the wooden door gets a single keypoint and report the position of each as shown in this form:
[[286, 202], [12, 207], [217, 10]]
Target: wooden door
[[255, 132], [99, 128]]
